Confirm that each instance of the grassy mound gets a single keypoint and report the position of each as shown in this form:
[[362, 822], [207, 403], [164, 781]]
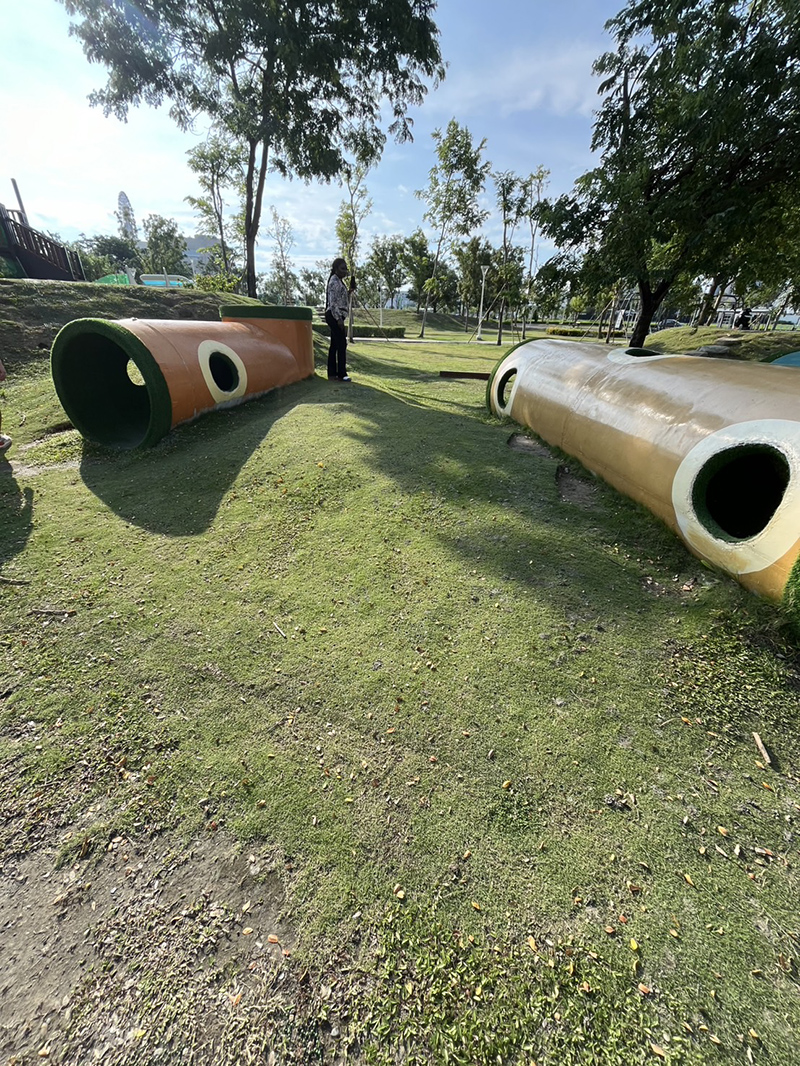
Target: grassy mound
[[32, 312], [754, 345]]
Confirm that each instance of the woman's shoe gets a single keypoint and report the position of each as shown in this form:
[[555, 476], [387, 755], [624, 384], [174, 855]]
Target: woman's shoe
[[5, 443]]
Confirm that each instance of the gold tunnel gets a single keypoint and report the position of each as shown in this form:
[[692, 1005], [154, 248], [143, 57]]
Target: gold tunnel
[[125, 384], [711, 446]]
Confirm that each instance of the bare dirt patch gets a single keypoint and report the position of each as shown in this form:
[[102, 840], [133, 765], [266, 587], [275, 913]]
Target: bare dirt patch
[[520, 443], [572, 489], [154, 951]]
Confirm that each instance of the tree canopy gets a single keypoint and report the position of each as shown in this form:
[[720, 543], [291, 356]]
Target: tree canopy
[[455, 182], [385, 264], [300, 84], [166, 247], [698, 133], [218, 164]]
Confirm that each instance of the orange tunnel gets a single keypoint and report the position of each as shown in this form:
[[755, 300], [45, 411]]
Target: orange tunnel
[[126, 384]]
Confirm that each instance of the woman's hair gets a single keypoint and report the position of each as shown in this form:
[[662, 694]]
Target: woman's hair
[[336, 263]]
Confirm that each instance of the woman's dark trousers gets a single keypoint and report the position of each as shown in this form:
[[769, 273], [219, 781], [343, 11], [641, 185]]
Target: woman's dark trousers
[[337, 352]]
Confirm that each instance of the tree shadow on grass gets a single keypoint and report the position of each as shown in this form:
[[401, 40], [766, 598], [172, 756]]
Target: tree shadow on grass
[[505, 515], [16, 514], [176, 487], [595, 549]]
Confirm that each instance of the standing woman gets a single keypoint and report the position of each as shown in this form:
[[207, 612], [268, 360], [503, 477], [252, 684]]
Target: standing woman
[[337, 305]]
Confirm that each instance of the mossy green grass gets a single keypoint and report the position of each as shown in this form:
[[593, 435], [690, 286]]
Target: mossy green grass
[[490, 720]]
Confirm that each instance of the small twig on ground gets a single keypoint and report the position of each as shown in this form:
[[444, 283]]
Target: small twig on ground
[[46, 610], [12, 581], [762, 749], [280, 631]]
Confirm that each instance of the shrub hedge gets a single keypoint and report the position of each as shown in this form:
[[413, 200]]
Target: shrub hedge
[[360, 330], [578, 331]]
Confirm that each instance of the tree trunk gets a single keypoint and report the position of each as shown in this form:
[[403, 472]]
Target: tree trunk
[[612, 317], [708, 300], [253, 204], [216, 203], [780, 314], [650, 301], [436, 259]]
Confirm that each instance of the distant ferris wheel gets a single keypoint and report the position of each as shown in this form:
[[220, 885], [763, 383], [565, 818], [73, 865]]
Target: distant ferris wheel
[[127, 221]]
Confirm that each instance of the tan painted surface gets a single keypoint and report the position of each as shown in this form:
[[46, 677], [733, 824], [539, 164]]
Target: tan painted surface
[[634, 420]]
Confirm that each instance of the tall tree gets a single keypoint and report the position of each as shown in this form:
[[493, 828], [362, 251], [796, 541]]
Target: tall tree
[[533, 192], [385, 263], [505, 281], [312, 285], [417, 263], [119, 251], [166, 247], [219, 165], [281, 283], [299, 84], [698, 133], [511, 202], [454, 184], [470, 256], [352, 212]]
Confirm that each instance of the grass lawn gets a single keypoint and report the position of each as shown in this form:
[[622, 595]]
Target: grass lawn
[[335, 729]]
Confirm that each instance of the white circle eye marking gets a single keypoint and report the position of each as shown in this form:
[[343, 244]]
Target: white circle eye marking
[[736, 494], [223, 371]]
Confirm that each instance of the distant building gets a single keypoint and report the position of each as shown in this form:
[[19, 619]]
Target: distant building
[[196, 257]]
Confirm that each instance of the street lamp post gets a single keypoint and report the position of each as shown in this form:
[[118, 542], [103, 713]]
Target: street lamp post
[[480, 313]]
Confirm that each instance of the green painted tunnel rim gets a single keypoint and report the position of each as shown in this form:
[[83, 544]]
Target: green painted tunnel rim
[[303, 314], [160, 420], [498, 364]]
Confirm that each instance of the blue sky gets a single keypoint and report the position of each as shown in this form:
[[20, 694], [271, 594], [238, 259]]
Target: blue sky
[[519, 75]]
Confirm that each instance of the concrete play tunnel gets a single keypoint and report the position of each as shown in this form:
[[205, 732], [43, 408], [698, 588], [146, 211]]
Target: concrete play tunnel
[[711, 446], [126, 384]]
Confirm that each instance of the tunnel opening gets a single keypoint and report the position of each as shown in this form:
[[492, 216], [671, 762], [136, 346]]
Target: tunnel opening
[[224, 372], [738, 491], [505, 387], [641, 353], [109, 385]]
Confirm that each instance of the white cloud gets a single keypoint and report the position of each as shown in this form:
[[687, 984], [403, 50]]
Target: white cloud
[[556, 80]]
